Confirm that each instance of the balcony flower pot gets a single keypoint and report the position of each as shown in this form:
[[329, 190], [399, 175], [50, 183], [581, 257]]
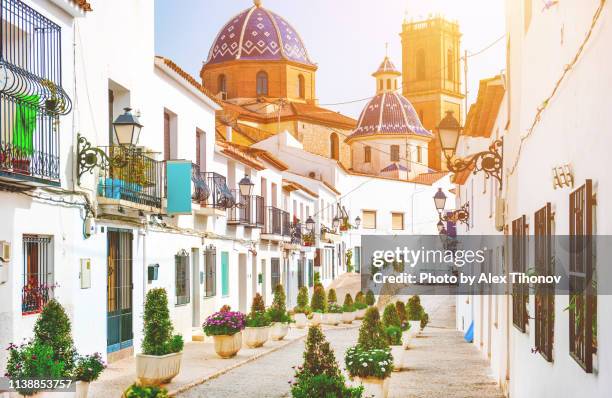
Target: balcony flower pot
[[316, 319], [153, 370], [374, 387], [255, 337], [300, 320], [227, 346], [279, 330], [398, 357], [348, 317]]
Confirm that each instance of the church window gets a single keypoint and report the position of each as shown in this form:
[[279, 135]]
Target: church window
[[395, 149], [222, 84], [419, 154], [420, 65], [367, 154], [262, 83], [334, 146], [301, 86], [388, 84], [450, 63]]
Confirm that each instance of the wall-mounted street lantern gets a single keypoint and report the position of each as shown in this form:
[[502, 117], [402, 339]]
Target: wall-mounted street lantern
[[357, 222], [246, 186], [335, 223], [127, 132], [310, 224], [460, 215], [440, 226], [491, 161]]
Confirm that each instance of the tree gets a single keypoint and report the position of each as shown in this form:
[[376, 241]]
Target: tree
[[401, 312], [331, 297], [158, 339], [258, 306], [279, 301], [390, 316], [302, 298], [370, 299], [53, 329], [371, 333], [415, 309], [360, 298], [318, 303]]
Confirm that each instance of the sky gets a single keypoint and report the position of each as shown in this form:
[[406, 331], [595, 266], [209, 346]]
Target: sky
[[346, 38]]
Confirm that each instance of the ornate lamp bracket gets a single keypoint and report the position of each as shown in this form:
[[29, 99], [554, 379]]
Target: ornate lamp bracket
[[461, 215], [491, 162], [90, 157]]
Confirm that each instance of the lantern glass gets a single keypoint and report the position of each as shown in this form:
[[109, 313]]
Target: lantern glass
[[357, 221], [336, 222], [246, 186], [310, 224], [127, 128], [440, 200]]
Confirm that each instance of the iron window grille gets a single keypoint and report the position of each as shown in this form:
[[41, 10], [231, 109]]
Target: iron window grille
[[210, 271], [520, 291], [544, 294], [181, 261], [38, 281], [583, 281], [300, 273], [275, 275]]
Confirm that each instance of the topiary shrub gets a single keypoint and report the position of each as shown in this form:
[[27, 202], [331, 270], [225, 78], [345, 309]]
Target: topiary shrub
[[394, 335], [302, 302], [360, 301], [403, 315], [370, 299], [52, 328], [319, 375], [415, 310], [157, 329], [390, 316], [317, 302], [371, 333], [348, 303], [258, 317], [349, 260], [136, 391], [331, 297], [317, 278], [278, 310], [424, 320]]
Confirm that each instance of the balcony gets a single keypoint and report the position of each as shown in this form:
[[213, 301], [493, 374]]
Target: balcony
[[213, 194], [296, 236], [238, 215], [249, 211], [277, 225], [133, 179]]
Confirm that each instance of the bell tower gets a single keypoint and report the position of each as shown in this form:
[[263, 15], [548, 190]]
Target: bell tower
[[432, 77]]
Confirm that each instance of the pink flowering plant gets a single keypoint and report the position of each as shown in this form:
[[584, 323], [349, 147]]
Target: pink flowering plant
[[89, 367], [225, 323]]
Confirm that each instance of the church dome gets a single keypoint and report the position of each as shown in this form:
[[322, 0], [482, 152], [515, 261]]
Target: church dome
[[258, 34], [389, 113]]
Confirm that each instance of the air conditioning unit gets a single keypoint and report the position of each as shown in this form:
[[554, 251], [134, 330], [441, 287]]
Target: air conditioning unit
[[500, 206], [5, 251]]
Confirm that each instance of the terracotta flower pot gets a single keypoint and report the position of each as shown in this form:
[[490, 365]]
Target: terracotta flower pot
[[279, 330], [398, 357], [82, 389], [153, 370], [348, 317], [317, 318], [300, 320], [374, 387], [227, 346], [256, 337]]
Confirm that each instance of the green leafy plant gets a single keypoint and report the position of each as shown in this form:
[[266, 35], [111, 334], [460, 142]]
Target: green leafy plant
[[318, 302], [415, 309], [370, 299], [368, 363], [33, 360], [317, 278], [136, 391], [334, 308], [319, 375], [349, 260], [403, 315], [371, 333], [391, 317], [331, 297], [394, 335], [302, 302], [278, 310], [157, 329], [89, 367], [53, 329], [348, 304], [258, 317], [424, 320], [360, 301]]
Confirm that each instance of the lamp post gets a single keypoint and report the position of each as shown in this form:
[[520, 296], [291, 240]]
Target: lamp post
[[127, 128], [491, 161], [310, 224], [460, 215]]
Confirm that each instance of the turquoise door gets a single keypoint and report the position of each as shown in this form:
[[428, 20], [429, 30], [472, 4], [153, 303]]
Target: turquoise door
[[224, 273]]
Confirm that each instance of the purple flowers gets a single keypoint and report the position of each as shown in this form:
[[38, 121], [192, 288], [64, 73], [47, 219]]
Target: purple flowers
[[224, 323]]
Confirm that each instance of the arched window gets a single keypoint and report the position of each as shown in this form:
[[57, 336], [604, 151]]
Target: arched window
[[450, 65], [222, 84], [388, 84], [381, 84], [262, 83], [395, 153], [334, 146], [395, 84], [301, 86], [367, 154], [420, 65]]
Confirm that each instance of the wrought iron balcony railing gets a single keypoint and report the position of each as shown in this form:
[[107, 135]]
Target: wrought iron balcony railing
[[296, 233], [201, 191], [132, 176], [256, 211], [221, 196], [238, 214], [277, 222], [249, 211]]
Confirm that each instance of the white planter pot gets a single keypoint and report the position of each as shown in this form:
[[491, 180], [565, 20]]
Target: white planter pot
[[46, 394], [398, 357], [82, 389], [374, 387], [256, 337], [279, 330], [300, 320], [415, 327], [152, 370], [406, 336], [228, 346], [348, 317], [360, 314], [332, 319], [317, 319]]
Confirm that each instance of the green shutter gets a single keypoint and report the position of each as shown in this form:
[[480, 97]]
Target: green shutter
[[224, 273]]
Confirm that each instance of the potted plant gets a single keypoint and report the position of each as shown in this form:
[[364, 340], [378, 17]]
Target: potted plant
[[360, 305], [370, 362], [317, 305], [349, 260], [278, 314], [348, 309], [258, 324], [87, 369], [33, 360], [302, 310], [400, 306], [424, 320], [333, 314], [308, 239], [53, 329], [370, 299], [415, 312], [393, 331], [226, 328], [319, 375], [136, 391], [160, 360]]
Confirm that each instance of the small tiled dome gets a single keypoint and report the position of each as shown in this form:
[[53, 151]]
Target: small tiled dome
[[258, 34], [389, 113]]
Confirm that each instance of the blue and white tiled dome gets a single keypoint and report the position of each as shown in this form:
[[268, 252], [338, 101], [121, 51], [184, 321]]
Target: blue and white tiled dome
[[258, 34]]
